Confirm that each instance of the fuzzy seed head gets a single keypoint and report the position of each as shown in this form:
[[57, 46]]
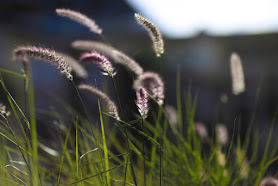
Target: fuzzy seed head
[[103, 98], [154, 84], [80, 18], [154, 32], [238, 82], [121, 58], [142, 102], [44, 54], [117, 56], [101, 61]]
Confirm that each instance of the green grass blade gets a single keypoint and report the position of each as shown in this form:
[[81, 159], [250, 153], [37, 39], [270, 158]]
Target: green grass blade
[[11, 100], [64, 151], [179, 102], [11, 72], [5, 136], [104, 146], [262, 164], [31, 104]]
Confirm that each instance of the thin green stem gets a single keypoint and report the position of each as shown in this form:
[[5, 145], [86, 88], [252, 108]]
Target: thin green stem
[[104, 146], [125, 132], [83, 106], [17, 144], [144, 169]]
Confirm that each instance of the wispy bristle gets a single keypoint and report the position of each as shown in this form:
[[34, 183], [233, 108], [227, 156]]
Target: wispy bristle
[[154, 33], [103, 98], [80, 18], [142, 102], [154, 83], [117, 56], [101, 61], [79, 70], [238, 82], [44, 54]]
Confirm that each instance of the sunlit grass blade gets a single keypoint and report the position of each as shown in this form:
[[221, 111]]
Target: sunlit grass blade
[[8, 138], [104, 145], [64, 151], [34, 138], [11, 72], [266, 152]]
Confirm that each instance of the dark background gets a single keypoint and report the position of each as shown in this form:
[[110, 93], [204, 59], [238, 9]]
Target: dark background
[[203, 60]]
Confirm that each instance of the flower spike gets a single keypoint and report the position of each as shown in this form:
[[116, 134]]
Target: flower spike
[[101, 61], [154, 83], [44, 54], [116, 55], [142, 102], [154, 33], [80, 18], [103, 98]]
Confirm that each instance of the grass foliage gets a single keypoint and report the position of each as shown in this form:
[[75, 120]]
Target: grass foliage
[[139, 152]]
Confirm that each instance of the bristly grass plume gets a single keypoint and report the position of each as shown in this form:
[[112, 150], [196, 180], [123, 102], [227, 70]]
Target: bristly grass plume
[[80, 18], [44, 54], [154, 32], [117, 56], [154, 83], [101, 61], [142, 102], [238, 82], [103, 98]]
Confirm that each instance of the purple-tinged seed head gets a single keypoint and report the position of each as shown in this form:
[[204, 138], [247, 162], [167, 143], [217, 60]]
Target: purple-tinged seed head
[[114, 54], [142, 102], [153, 82], [100, 60]]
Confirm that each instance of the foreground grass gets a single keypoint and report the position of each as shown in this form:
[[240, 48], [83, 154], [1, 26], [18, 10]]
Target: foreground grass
[[152, 151]]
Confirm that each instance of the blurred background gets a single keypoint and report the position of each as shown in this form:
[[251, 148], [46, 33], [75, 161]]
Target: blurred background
[[199, 37]]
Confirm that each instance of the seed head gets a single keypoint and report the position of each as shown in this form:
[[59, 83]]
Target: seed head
[[142, 102], [117, 56], [238, 82], [154, 33], [44, 54], [101, 61], [80, 18], [103, 98], [154, 84]]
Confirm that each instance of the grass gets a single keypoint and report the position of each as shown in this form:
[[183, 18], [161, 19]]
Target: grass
[[154, 151]]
